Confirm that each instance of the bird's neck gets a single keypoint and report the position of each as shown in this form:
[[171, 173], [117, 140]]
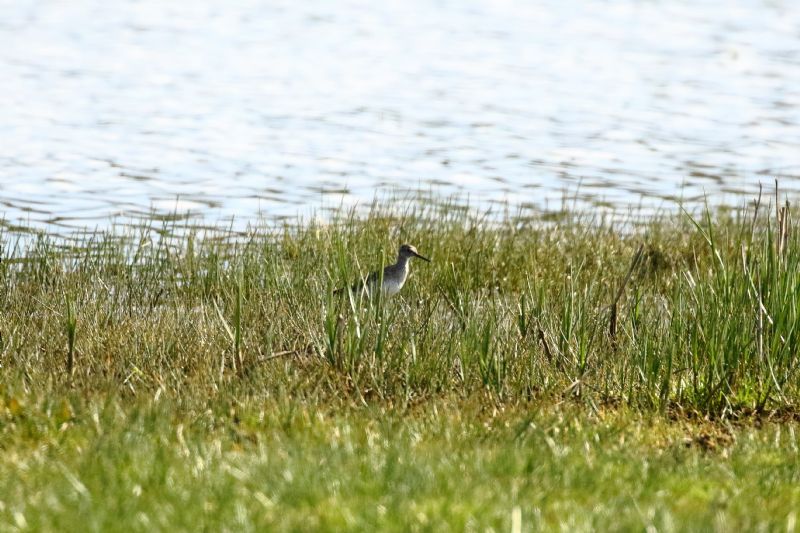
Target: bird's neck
[[402, 262]]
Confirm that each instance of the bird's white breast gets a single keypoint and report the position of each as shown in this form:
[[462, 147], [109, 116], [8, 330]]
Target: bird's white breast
[[393, 284], [392, 287]]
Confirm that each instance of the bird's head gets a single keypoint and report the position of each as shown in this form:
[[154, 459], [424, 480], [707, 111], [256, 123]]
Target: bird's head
[[407, 250]]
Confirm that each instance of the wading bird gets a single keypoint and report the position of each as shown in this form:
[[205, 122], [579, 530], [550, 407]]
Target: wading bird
[[394, 276]]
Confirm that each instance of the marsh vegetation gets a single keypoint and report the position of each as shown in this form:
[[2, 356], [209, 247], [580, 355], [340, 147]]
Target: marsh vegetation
[[575, 372]]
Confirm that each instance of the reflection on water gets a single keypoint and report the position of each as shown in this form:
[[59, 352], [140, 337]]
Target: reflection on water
[[242, 108]]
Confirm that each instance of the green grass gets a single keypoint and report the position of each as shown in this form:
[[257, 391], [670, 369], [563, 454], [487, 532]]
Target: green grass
[[174, 378], [107, 464]]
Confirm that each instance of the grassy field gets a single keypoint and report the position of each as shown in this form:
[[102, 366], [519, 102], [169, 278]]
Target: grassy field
[[572, 373]]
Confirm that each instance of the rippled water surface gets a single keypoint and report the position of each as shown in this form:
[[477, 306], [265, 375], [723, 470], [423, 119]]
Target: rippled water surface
[[243, 108]]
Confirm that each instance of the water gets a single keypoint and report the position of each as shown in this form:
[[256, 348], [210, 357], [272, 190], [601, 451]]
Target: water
[[221, 110]]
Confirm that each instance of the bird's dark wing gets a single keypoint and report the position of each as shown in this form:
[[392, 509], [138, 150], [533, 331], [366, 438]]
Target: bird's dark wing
[[372, 279]]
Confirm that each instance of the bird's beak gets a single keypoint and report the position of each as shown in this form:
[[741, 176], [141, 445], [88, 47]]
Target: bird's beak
[[422, 257]]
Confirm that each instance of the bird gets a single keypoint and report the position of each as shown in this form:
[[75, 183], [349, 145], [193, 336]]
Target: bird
[[394, 276]]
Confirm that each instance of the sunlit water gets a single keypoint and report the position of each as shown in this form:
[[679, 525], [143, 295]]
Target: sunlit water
[[247, 109]]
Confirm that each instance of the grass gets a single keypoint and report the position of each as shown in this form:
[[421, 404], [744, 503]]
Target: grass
[[576, 373], [255, 465]]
